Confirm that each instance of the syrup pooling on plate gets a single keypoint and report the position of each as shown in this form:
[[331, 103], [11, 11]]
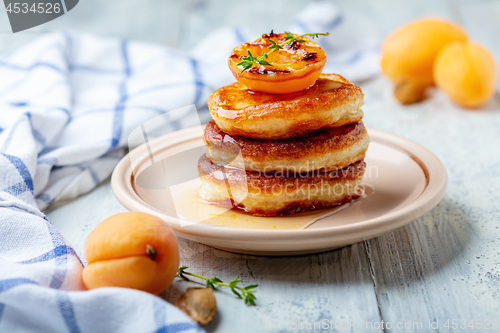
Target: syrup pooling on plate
[[190, 208]]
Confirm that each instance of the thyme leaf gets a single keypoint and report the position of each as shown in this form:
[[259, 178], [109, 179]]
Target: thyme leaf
[[246, 293]]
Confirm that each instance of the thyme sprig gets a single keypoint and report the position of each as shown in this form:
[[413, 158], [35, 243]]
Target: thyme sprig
[[248, 61], [245, 293]]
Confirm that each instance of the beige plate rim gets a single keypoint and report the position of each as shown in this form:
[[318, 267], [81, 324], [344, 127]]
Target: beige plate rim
[[433, 192]]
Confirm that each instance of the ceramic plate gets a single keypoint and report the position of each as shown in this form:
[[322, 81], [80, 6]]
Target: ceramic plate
[[404, 181]]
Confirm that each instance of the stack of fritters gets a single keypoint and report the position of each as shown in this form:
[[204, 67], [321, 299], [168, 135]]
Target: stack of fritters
[[275, 155]]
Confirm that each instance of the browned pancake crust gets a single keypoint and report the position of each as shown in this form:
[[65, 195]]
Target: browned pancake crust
[[291, 208], [265, 185], [241, 112], [314, 144], [298, 206]]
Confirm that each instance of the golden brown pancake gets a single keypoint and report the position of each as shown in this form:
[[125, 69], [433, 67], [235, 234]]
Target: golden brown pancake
[[279, 194], [325, 149], [331, 102]]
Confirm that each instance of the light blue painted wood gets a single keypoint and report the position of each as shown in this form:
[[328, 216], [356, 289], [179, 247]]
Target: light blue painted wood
[[445, 265]]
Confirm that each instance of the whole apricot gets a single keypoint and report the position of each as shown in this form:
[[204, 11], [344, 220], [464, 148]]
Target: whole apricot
[[467, 73], [131, 250], [410, 51]]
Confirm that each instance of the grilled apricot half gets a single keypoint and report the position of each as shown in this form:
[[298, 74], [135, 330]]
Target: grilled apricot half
[[293, 68]]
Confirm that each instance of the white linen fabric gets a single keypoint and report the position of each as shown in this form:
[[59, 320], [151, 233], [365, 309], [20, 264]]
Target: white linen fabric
[[68, 103]]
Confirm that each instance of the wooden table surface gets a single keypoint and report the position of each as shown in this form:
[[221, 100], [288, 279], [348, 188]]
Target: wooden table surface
[[441, 267]]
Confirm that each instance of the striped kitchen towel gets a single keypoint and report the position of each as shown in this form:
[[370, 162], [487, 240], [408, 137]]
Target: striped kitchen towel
[[68, 102]]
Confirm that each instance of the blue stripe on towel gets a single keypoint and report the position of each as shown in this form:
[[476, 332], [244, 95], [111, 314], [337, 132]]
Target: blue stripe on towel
[[60, 260], [69, 47], [22, 209], [31, 67], [95, 178], [337, 21], [177, 327], [11, 283], [12, 131], [239, 36], [38, 136], [120, 106], [67, 312], [19, 104], [46, 160], [45, 198], [93, 69], [161, 319], [63, 110], [22, 169], [159, 313], [197, 81], [61, 267], [118, 118], [16, 189], [58, 251], [128, 70], [47, 150]]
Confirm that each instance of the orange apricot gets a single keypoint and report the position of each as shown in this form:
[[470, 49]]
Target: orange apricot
[[294, 68], [467, 73], [131, 250], [410, 51]]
